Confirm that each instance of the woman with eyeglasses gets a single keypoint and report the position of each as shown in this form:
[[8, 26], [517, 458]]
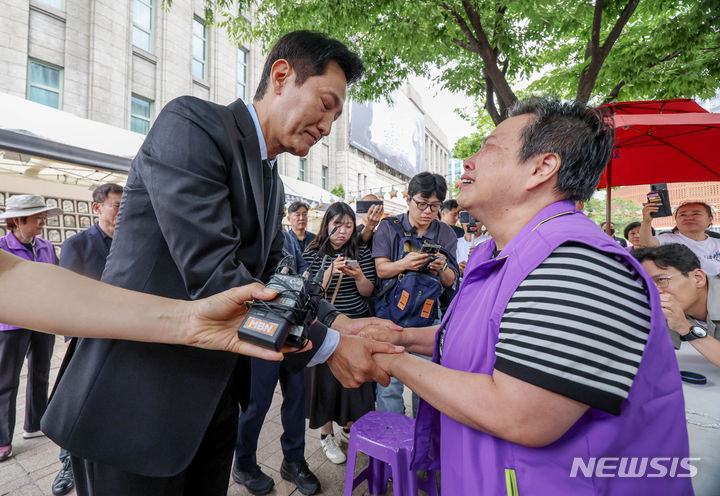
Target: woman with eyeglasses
[[348, 279], [25, 217]]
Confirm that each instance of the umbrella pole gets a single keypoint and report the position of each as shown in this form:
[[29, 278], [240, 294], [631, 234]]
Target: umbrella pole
[[608, 199]]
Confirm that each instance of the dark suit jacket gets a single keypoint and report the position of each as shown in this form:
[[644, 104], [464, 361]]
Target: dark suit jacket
[[192, 223], [85, 253]]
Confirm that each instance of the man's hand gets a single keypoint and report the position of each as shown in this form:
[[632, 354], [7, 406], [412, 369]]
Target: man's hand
[[674, 314], [438, 263], [383, 334], [352, 362], [212, 323], [374, 215], [462, 265], [414, 260], [347, 325]]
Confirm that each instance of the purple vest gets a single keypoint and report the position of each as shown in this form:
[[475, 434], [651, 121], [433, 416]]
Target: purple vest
[[44, 252], [652, 422]]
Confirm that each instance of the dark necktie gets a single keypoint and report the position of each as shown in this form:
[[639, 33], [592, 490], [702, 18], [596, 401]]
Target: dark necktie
[[268, 186]]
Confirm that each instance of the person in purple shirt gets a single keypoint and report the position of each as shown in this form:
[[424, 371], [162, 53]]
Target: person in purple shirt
[[552, 370], [25, 217]]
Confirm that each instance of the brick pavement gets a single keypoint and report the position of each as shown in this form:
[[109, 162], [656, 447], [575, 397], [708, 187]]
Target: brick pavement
[[32, 469]]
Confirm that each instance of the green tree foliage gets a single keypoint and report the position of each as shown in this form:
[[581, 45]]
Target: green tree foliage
[[467, 146], [623, 212], [338, 191], [590, 50]]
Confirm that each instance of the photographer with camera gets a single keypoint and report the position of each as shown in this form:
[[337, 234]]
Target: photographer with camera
[[402, 265], [470, 239]]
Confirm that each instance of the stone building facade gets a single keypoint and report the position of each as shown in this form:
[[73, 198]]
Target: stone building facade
[[119, 62]]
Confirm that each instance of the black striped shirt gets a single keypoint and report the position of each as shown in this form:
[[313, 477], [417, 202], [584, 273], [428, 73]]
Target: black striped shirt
[[577, 326], [348, 300]]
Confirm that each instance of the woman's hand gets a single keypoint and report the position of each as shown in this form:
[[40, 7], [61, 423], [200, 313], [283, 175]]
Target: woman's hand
[[212, 323], [352, 270]]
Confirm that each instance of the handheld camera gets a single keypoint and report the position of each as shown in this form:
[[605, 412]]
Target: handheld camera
[[282, 321]]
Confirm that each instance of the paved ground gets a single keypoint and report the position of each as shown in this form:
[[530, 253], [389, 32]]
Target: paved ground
[[32, 469]]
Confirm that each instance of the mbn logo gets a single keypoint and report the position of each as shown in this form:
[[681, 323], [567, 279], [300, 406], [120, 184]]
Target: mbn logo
[[260, 325], [658, 466]]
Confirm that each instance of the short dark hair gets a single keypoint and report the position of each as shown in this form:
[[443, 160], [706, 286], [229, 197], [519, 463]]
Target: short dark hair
[[297, 205], [428, 184], [632, 226], [707, 207], [309, 53], [450, 204], [673, 255], [101, 192], [578, 134]]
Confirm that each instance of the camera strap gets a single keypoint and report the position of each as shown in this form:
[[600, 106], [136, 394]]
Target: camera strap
[[337, 288]]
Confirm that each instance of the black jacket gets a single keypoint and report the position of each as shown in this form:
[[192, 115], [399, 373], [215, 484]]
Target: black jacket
[[192, 223]]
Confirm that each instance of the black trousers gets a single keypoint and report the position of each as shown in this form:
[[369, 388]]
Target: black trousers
[[265, 376], [208, 474], [15, 345]]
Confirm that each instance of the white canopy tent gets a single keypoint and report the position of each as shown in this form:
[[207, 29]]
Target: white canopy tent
[[45, 143]]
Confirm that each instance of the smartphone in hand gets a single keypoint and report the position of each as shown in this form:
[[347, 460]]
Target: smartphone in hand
[[659, 196]]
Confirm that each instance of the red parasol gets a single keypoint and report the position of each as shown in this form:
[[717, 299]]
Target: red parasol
[[662, 141]]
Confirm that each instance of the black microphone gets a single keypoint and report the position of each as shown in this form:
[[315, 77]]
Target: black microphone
[[319, 250]]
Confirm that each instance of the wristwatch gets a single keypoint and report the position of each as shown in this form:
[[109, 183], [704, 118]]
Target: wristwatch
[[696, 332]]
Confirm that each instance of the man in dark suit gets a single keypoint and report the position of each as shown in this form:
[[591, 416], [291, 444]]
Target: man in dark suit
[[86, 253], [201, 212]]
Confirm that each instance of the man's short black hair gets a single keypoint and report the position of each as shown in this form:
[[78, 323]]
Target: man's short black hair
[[578, 134], [309, 53], [450, 204], [101, 192], [428, 184], [297, 205], [673, 255]]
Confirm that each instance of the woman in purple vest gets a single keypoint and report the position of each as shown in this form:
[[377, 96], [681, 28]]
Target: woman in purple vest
[[552, 372], [25, 217]]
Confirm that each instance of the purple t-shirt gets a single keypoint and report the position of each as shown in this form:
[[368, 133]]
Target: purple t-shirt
[[386, 242]]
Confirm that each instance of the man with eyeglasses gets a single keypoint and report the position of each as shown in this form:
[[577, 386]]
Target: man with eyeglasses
[[86, 253], [690, 297], [426, 193]]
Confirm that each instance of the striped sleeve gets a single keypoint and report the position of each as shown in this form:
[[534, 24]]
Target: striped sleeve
[[577, 326]]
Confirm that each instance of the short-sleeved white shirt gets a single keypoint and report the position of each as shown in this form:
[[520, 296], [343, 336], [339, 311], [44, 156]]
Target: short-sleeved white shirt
[[708, 250], [463, 247]]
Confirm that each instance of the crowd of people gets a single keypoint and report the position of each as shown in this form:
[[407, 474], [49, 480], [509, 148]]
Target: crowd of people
[[527, 335]]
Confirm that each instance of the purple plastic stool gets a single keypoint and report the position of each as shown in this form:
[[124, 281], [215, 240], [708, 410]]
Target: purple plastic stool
[[387, 439]]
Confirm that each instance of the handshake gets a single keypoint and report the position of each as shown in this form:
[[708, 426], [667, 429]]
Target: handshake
[[362, 342], [212, 323]]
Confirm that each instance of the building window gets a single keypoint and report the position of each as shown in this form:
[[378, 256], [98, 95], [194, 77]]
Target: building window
[[140, 113], [142, 24], [199, 48], [58, 4], [325, 177], [302, 168], [44, 83], [242, 74]]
